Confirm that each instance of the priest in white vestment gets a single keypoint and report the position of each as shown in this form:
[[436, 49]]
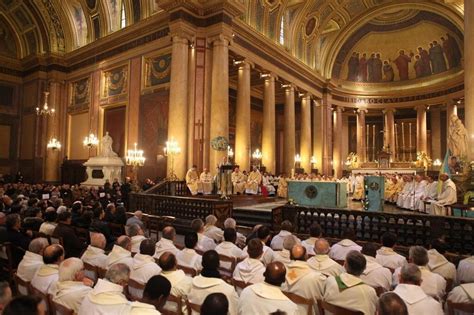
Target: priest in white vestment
[[121, 253], [465, 271], [253, 182], [192, 180], [416, 300], [282, 190], [358, 188], [464, 293], [322, 262], [438, 263], [302, 280], [251, 269], [72, 286], [180, 283], [95, 255], [339, 250], [231, 223], [411, 202], [375, 274], [386, 256], [446, 197], [238, 181], [209, 281], [348, 290], [430, 193], [229, 249], [268, 185], [107, 296], [166, 243], [315, 232], [47, 275], [284, 255], [211, 230], [266, 297], [144, 266], [264, 235], [137, 235], [188, 257], [204, 243], [286, 229], [206, 182], [408, 192], [32, 260]]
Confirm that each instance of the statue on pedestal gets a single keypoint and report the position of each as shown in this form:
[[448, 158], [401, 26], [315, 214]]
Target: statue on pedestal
[[457, 138], [106, 148]]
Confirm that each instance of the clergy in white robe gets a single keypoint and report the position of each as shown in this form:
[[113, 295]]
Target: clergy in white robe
[[358, 188], [411, 202], [408, 192], [464, 293], [315, 233], [416, 300], [253, 182], [302, 280], [241, 239], [267, 297], [339, 250], [277, 241], [282, 190], [137, 235], [206, 182], [375, 274], [229, 249], [446, 197], [440, 265], [46, 277], [268, 185], [94, 254], [322, 262], [144, 266], [121, 253], [284, 255], [251, 269], [188, 257], [166, 243], [139, 308], [430, 192], [107, 296], [348, 290], [465, 271], [192, 181], [211, 230], [386, 256], [72, 286], [238, 181], [204, 243], [32, 260]]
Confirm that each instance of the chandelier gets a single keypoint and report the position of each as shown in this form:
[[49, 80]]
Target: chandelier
[[90, 141], [45, 110], [172, 149], [257, 156], [230, 152], [135, 157], [54, 144]]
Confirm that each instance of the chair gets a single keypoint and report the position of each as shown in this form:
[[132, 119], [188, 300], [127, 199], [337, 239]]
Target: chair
[[193, 308], [44, 297], [188, 270], [59, 309], [340, 262], [337, 310], [179, 306], [225, 271], [91, 271], [135, 287], [463, 307], [380, 291], [238, 284], [22, 286], [299, 300]]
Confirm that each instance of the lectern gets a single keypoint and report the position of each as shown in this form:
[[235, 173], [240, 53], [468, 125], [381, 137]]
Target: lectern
[[225, 180]]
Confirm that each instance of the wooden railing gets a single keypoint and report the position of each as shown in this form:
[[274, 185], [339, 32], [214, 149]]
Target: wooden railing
[[412, 229], [184, 209], [169, 188]]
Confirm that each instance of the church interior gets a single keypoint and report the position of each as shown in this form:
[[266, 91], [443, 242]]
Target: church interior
[[346, 124]]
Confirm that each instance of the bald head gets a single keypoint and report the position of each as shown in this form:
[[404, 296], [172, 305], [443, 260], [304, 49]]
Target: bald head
[[125, 242], [147, 247], [275, 273], [321, 247], [298, 252], [138, 214], [167, 261], [169, 233], [391, 304], [53, 254], [98, 240]]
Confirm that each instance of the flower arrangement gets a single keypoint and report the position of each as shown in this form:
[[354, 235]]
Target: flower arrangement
[[219, 143], [352, 160]]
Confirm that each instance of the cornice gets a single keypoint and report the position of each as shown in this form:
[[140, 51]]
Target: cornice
[[204, 8]]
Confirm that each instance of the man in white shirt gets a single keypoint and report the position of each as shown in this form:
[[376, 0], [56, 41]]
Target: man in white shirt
[[375, 274], [206, 182], [438, 263], [464, 293], [107, 296], [209, 281], [446, 197], [121, 253], [228, 247], [251, 269], [188, 257], [321, 261], [144, 266], [136, 234], [180, 282], [432, 284], [211, 230], [95, 254], [166, 243], [283, 255], [46, 277], [263, 234], [286, 229], [72, 285], [339, 250], [267, 297], [349, 291], [204, 243], [416, 300], [315, 232], [32, 260], [231, 223], [302, 280], [386, 256], [465, 271]]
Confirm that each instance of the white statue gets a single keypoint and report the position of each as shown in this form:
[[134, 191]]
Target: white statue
[[457, 137], [106, 149]]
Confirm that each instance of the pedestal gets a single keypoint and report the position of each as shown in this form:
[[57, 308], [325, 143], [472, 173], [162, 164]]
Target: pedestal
[[99, 169]]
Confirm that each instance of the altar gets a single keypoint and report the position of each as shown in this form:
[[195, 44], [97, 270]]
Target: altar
[[318, 194], [391, 170]]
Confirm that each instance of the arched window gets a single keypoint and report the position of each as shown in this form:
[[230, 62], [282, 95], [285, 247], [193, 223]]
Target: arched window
[[123, 18]]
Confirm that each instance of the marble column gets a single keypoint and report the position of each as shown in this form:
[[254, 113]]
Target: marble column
[[435, 119], [178, 105], [305, 134], [390, 130], [243, 114], [219, 97], [268, 132], [361, 135], [337, 151], [51, 163], [469, 75], [318, 136], [327, 163], [289, 129], [421, 133]]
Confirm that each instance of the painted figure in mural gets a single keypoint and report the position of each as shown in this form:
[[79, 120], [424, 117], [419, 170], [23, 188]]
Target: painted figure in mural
[[438, 63], [418, 66], [353, 65], [377, 68], [457, 137], [402, 64], [425, 61], [388, 74], [363, 68], [370, 68], [451, 49], [106, 149]]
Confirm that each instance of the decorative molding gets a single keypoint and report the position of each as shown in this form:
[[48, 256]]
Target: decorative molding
[[114, 82], [80, 95], [156, 70]]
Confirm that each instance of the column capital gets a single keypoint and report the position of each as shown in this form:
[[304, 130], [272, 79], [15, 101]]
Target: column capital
[[362, 111], [244, 64], [420, 108], [220, 39], [182, 30], [268, 76], [339, 109], [389, 110], [289, 87]]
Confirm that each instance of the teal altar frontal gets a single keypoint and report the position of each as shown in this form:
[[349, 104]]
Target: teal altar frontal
[[318, 194], [374, 192]]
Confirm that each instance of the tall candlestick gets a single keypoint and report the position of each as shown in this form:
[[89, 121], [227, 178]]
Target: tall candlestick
[[395, 150], [373, 142], [367, 131], [409, 139], [403, 143]]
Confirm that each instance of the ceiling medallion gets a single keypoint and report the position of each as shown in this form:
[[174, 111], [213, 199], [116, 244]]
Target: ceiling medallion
[[310, 26]]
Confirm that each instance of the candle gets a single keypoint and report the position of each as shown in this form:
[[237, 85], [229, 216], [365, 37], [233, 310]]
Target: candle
[[367, 130], [396, 143], [409, 140], [373, 142], [403, 142]]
